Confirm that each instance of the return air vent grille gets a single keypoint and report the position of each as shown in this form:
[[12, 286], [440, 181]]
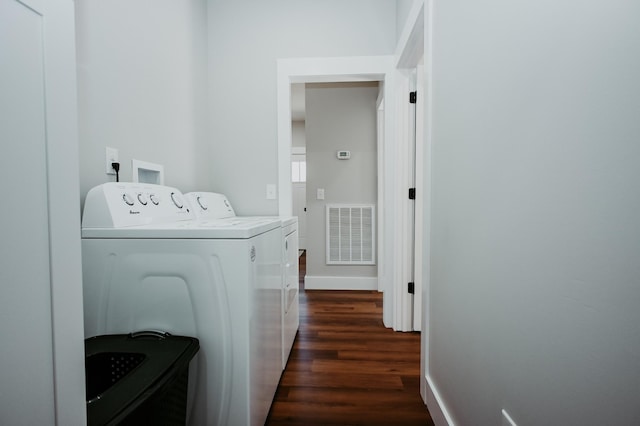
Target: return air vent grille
[[351, 234]]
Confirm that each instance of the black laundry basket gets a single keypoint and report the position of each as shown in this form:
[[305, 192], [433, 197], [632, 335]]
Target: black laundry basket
[[138, 379]]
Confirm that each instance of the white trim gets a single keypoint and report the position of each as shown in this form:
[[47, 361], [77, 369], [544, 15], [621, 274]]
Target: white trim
[[64, 211], [438, 411], [340, 283], [380, 135], [506, 419], [426, 202], [419, 207]]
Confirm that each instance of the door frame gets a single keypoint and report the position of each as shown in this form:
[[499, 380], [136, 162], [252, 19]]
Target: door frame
[[345, 69]]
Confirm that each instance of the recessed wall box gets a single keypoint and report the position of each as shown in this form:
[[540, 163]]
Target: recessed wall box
[[145, 172], [343, 155]]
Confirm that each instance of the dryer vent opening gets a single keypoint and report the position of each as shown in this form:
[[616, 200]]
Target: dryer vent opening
[[350, 234]]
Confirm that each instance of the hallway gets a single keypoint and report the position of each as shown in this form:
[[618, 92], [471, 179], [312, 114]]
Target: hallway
[[346, 368]]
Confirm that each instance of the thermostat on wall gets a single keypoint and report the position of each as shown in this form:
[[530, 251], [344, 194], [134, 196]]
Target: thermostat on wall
[[343, 155]]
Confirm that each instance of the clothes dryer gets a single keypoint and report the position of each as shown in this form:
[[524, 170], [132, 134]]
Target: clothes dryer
[[215, 206], [148, 264]]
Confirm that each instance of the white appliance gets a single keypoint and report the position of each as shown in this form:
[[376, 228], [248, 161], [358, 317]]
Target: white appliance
[[148, 264], [211, 205]]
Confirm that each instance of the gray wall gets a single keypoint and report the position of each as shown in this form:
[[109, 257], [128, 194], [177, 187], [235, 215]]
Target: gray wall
[[535, 280], [339, 117], [142, 88], [245, 40]]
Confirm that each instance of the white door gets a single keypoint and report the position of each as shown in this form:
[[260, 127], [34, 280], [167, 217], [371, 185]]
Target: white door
[[410, 228], [26, 373], [40, 275], [419, 251], [300, 210], [299, 196]]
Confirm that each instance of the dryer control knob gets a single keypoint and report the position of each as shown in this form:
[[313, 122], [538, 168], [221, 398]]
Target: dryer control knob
[[176, 200], [142, 199], [128, 199], [154, 199]]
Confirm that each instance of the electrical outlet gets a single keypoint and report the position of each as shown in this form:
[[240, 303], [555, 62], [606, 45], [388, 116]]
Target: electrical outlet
[[111, 157], [271, 191], [320, 194]]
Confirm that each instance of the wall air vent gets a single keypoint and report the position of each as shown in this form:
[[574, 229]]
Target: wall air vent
[[350, 234]]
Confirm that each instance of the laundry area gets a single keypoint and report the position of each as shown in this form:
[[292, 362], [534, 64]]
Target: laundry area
[[170, 272], [149, 245]]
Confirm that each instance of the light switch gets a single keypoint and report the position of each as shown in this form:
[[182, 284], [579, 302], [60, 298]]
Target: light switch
[[320, 194]]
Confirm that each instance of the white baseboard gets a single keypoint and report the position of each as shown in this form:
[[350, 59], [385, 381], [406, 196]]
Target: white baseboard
[[435, 404], [340, 283]]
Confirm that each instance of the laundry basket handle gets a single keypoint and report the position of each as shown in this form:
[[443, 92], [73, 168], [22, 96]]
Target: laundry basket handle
[[158, 334]]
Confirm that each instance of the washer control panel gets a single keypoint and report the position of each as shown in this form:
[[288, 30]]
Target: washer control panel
[[122, 204], [210, 205]]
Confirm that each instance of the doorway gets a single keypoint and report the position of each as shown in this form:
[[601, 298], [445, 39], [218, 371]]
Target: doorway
[[341, 70]]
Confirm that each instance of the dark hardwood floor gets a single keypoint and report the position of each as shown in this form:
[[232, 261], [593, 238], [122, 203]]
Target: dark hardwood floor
[[346, 368]]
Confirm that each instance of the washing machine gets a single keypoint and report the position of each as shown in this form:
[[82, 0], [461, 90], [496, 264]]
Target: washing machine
[[211, 205], [149, 264]]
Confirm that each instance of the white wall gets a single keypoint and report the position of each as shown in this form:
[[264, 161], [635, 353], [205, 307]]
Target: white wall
[[340, 116], [245, 40], [535, 273], [298, 137], [402, 13], [142, 88]]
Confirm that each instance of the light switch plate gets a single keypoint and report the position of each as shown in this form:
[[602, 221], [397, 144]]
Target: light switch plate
[[320, 194]]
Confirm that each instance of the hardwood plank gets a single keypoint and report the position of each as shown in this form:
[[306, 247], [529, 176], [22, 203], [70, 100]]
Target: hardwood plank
[[351, 367], [346, 368], [358, 381]]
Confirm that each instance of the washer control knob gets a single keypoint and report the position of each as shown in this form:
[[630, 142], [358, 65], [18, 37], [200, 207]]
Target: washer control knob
[[176, 200], [128, 199], [142, 199], [154, 199], [203, 205]]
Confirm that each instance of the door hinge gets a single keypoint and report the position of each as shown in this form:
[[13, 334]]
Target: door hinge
[[413, 97], [411, 288], [412, 193]]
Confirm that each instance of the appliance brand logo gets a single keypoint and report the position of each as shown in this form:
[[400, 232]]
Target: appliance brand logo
[[133, 212], [253, 253]]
